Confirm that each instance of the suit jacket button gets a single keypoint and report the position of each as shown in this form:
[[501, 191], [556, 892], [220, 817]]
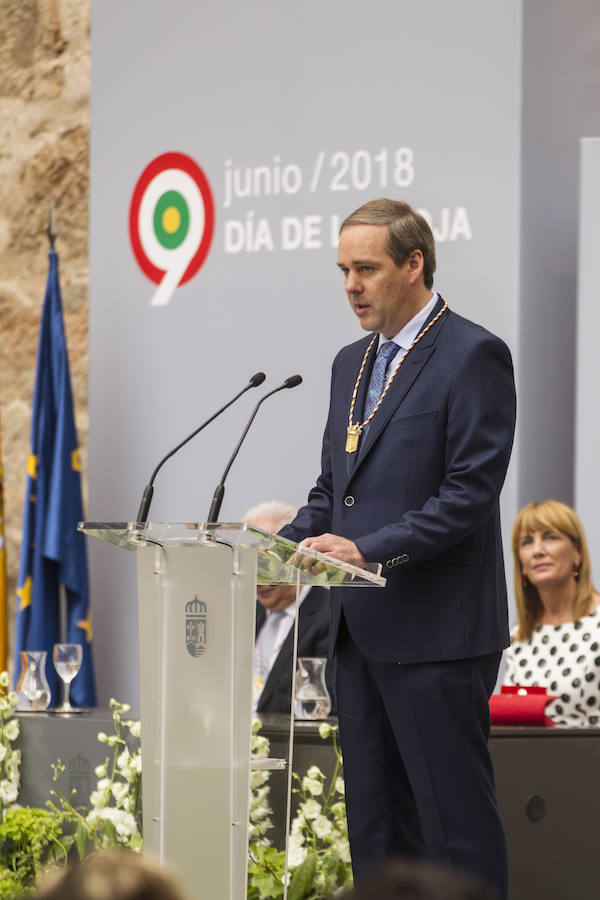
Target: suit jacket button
[[349, 500], [404, 557], [390, 563]]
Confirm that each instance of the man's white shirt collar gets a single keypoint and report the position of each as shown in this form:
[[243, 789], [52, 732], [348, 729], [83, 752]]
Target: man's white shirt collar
[[406, 335], [291, 609]]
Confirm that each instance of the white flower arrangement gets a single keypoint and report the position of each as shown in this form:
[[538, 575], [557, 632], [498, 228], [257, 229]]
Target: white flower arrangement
[[318, 849], [260, 811], [10, 759], [114, 817]]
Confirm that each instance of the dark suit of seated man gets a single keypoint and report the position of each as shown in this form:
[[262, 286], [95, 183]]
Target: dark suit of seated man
[[275, 613]]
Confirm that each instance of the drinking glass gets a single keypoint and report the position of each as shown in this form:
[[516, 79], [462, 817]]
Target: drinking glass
[[32, 687], [312, 698], [67, 662]]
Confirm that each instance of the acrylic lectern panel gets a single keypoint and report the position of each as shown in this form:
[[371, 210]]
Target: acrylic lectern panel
[[279, 561], [197, 604], [196, 628]]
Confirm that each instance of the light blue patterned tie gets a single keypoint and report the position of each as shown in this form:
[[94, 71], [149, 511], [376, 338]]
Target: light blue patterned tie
[[377, 382]]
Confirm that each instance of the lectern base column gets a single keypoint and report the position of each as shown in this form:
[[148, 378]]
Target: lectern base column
[[196, 618]]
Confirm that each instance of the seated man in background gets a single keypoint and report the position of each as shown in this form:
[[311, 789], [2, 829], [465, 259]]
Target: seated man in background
[[275, 613]]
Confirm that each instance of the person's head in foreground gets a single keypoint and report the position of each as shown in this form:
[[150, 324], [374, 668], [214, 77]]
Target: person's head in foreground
[[418, 880], [552, 572], [113, 875]]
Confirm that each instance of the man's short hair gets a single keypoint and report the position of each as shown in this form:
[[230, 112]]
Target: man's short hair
[[281, 513], [407, 231]]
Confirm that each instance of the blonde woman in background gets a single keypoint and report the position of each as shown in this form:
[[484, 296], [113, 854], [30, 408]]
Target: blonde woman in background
[[556, 642]]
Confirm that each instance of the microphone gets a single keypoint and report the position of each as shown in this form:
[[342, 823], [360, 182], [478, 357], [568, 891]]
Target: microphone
[[144, 509], [215, 508]]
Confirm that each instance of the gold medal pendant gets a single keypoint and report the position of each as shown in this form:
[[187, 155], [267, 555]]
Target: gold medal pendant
[[354, 431], [353, 435]]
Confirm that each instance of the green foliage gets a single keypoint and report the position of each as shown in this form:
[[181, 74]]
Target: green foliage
[[265, 872], [11, 887], [30, 838], [303, 878]]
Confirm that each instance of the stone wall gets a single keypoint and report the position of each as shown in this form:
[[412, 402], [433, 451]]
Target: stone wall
[[44, 131]]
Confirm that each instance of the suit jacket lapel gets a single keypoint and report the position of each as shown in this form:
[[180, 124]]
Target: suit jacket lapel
[[361, 397], [274, 677], [260, 618], [409, 371]]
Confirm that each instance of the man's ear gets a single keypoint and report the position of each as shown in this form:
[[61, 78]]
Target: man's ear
[[415, 265]]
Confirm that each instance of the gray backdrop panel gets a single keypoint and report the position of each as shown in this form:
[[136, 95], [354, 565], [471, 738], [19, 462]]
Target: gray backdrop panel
[[588, 328], [273, 85]]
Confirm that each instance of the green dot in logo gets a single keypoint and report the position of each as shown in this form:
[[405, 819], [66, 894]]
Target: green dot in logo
[[171, 219]]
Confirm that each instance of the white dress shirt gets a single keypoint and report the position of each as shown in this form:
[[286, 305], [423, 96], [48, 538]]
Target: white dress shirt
[[406, 335]]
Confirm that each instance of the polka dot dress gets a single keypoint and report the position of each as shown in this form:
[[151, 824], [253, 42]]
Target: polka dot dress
[[565, 659]]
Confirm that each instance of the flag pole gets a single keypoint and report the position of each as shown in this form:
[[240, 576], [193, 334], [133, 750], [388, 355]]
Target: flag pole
[[62, 594], [62, 632], [50, 231]]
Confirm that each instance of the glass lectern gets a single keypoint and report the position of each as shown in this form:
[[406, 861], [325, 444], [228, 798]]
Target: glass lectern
[[197, 603]]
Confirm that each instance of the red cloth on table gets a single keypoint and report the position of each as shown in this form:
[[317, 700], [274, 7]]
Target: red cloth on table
[[520, 705]]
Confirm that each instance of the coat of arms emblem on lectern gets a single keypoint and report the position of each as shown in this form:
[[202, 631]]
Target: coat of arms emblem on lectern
[[195, 627]]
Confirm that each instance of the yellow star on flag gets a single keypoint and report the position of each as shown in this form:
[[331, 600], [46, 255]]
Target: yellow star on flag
[[86, 625], [75, 460], [24, 592], [32, 465]]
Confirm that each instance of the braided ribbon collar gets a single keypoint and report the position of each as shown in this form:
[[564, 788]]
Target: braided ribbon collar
[[355, 428]]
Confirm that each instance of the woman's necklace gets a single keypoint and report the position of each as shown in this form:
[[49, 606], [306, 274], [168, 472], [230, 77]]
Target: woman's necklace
[[355, 428]]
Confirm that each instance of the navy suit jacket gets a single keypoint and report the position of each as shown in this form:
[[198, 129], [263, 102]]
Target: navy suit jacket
[[421, 496], [313, 640]]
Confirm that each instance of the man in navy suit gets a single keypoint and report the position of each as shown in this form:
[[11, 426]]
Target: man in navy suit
[[275, 613], [415, 452]]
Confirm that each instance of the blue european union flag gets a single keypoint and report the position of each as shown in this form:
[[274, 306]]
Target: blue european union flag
[[53, 552]]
